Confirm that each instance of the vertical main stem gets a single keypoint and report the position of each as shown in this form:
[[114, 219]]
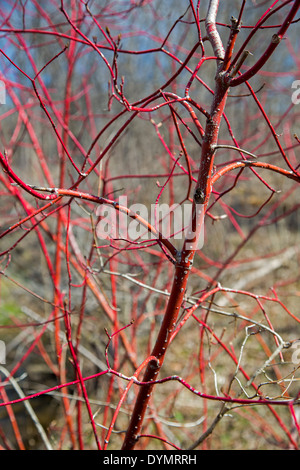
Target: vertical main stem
[[183, 267], [159, 350], [59, 240]]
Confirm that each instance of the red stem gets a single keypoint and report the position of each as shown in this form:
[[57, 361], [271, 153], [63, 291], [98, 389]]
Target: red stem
[[182, 271], [276, 38]]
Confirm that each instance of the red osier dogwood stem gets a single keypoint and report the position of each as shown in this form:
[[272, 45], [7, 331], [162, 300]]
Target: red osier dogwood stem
[[183, 265]]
